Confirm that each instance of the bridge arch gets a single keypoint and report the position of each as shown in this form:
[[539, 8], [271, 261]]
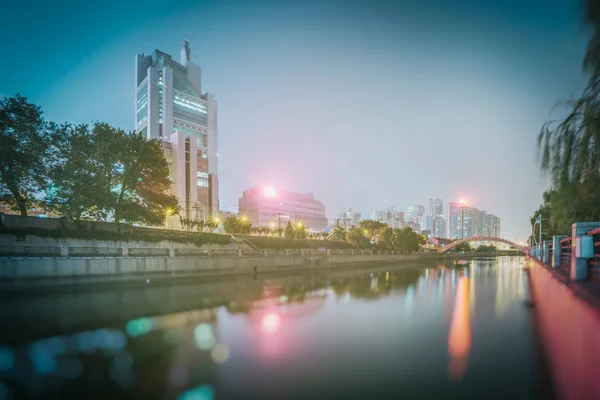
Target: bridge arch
[[481, 239]]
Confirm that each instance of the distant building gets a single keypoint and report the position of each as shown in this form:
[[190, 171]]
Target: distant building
[[273, 208], [436, 207], [425, 222], [412, 213], [171, 107], [348, 218], [454, 220], [493, 225], [394, 219], [438, 228], [414, 226], [481, 223], [470, 221]]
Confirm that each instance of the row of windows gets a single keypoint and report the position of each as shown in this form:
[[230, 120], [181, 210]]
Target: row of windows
[[202, 182], [202, 174], [190, 104]]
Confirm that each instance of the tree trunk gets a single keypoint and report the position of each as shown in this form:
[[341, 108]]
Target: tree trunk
[[20, 200]]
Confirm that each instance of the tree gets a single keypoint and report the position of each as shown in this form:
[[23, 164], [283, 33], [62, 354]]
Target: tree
[[200, 224], [338, 232], [569, 148], [109, 173], [24, 144], [211, 225], [466, 247], [231, 224], [486, 248], [369, 226], [289, 231], [300, 231], [356, 237], [384, 238]]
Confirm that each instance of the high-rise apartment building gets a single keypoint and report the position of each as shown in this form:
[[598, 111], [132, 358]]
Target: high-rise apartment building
[[348, 218], [470, 221], [438, 228], [394, 219], [436, 207], [481, 223], [171, 107], [454, 220], [492, 225], [412, 213], [425, 223]]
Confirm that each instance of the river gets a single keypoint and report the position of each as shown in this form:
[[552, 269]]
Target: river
[[395, 331]]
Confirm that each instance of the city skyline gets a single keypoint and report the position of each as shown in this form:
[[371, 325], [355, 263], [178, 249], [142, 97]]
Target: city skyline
[[268, 84]]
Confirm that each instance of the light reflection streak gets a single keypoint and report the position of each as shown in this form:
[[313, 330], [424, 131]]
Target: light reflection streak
[[459, 341]]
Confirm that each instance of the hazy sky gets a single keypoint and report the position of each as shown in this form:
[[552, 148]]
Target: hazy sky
[[368, 104]]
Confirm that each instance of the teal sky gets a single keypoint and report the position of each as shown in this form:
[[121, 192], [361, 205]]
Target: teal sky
[[368, 104]]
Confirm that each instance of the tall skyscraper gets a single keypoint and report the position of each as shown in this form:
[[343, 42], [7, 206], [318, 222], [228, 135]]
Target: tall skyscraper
[[170, 107], [493, 225], [438, 228], [425, 223], [454, 220], [412, 213], [470, 221], [436, 207], [481, 223]]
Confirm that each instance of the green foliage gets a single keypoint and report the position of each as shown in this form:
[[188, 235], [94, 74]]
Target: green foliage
[[300, 231], [569, 149], [369, 226], [86, 230], [338, 232], [486, 248], [25, 145], [289, 231], [235, 225], [108, 173], [276, 243], [466, 247], [356, 237]]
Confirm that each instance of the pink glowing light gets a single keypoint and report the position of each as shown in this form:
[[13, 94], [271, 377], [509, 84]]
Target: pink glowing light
[[270, 191], [270, 323]]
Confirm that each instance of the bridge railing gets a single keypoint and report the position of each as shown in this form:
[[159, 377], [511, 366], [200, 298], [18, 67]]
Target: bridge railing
[[576, 255]]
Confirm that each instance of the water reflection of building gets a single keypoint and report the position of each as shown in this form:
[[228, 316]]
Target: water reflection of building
[[509, 285]]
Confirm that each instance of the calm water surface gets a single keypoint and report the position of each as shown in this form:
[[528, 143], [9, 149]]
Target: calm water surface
[[399, 331]]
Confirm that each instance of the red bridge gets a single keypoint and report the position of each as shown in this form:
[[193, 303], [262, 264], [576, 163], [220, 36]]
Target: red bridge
[[444, 249]]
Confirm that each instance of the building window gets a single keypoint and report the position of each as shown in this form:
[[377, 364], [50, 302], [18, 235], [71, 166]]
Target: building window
[[202, 182], [202, 174]]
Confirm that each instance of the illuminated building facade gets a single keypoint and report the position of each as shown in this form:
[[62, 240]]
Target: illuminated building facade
[[348, 218], [412, 213], [171, 107], [274, 208], [436, 207]]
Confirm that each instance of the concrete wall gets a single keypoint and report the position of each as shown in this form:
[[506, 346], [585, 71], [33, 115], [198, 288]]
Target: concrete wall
[[569, 327], [96, 269], [32, 240]]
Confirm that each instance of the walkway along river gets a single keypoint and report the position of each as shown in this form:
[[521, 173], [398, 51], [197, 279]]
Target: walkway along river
[[394, 331]]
